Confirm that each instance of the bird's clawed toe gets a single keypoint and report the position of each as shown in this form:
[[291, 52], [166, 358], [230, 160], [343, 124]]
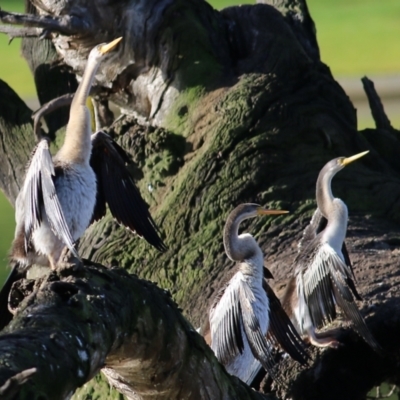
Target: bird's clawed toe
[[67, 261]]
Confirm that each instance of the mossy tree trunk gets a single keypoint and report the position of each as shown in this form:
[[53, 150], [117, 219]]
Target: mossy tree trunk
[[227, 107]]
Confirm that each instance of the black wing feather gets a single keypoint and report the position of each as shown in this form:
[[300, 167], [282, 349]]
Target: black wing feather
[[317, 224], [345, 301], [326, 283], [117, 188], [317, 283], [282, 329], [259, 345], [352, 279]]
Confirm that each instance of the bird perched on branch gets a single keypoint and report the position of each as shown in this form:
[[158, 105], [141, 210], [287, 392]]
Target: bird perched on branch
[[323, 276], [246, 309], [62, 195]]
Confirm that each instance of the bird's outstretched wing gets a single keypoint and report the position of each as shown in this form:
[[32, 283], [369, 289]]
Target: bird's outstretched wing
[[317, 224], [282, 330], [38, 190], [115, 186], [315, 282], [326, 282], [259, 345], [225, 323]]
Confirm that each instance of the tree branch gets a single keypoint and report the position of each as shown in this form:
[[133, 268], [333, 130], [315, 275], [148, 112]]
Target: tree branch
[[12, 385], [72, 323], [14, 32], [376, 106], [16, 140], [299, 19], [65, 24], [385, 139]]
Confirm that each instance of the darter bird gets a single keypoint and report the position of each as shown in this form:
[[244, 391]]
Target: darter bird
[[62, 195], [246, 318], [323, 276]]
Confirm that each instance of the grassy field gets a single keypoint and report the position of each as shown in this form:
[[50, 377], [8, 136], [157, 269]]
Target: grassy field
[[13, 68], [356, 37]]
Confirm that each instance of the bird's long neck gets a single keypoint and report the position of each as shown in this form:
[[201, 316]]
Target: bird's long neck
[[333, 209], [324, 194], [242, 248], [77, 145]]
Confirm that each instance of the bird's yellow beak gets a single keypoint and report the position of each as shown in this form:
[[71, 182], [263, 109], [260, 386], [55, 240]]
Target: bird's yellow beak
[[349, 160], [109, 46], [264, 211]]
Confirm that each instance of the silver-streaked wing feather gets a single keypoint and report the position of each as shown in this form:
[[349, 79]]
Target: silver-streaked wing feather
[[317, 282], [225, 323], [31, 199], [317, 225], [115, 186], [282, 330], [259, 344], [326, 282], [39, 189]]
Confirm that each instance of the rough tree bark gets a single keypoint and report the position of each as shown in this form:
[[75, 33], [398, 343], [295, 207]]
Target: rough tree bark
[[144, 343], [221, 108]]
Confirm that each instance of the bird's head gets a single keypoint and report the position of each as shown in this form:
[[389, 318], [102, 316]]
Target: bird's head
[[339, 163], [250, 210], [101, 49], [239, 248]]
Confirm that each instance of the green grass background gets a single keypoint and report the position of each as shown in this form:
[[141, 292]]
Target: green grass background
[[356, 38]]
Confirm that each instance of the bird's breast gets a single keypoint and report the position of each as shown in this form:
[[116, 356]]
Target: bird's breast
[[76, 190]]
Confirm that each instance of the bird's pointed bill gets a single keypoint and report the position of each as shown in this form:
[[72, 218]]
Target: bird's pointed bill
[[349, 160], [264, 211], [109, 46]]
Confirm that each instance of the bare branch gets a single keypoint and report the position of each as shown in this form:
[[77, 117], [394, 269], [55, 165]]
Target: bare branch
[[377, 110], [65, 24], [14, 32], [12, 385]]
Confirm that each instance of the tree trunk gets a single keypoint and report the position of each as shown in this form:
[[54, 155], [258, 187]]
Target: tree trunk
[[85, 327], [223, 108]]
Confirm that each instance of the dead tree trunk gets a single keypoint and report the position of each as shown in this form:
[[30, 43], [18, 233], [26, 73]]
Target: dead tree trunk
[[85, 320], [226, 107]]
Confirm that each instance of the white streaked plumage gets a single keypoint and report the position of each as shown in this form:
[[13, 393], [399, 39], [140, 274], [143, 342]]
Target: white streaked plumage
[[241, 316], [242, 295], [323, 277], [62, 195], [58, 196]]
